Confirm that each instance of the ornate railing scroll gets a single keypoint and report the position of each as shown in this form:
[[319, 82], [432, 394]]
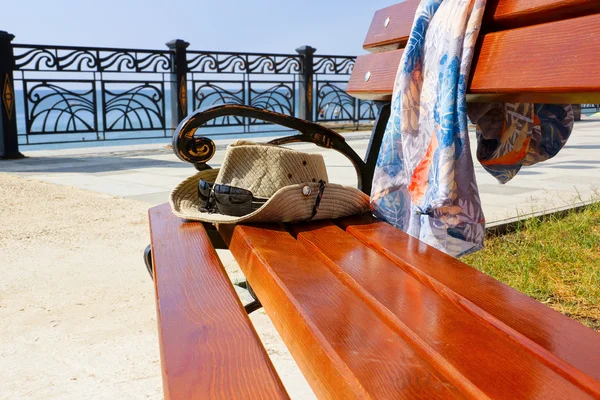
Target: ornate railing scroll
[[272, 96], [70, 93], [88, 59], [249, 82], [207, 94], [133, 106], [58, 106], [332, 103], [242, 63], [333, 65]]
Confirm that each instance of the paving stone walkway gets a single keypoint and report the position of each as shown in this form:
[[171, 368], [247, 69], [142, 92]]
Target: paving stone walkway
[[149, 172]]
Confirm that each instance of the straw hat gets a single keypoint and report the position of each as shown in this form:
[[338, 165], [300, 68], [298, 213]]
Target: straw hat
[[289, 179]]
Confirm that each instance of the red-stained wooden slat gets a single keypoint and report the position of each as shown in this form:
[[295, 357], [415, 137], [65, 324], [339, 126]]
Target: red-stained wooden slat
[[496, 363], [342, 345], [504, 14], [548, 63], [374, 75], [391, 27], [514, 313], [209, 349], [499, 15], [560, 58]]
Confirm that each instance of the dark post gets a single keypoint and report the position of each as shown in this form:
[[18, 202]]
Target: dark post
[[383, 115], [179, 97], [305, 108], [9, 141], [577, 112]]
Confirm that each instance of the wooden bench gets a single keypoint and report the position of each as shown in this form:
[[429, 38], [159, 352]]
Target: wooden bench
[[366, 310]]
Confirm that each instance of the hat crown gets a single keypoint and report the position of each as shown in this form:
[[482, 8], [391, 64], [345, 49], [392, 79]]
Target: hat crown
[[264, 169]]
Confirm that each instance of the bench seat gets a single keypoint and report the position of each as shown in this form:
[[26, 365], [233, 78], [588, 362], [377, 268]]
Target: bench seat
[[365, 310], [370, 312]]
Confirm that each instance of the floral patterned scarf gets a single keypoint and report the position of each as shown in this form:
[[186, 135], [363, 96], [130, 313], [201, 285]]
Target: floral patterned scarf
[[424, 180]]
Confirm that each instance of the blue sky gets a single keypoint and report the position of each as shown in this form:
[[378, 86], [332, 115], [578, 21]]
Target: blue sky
[[332, 26]]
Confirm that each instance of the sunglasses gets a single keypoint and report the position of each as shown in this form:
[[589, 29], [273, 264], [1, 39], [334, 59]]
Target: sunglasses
[[227, 200]]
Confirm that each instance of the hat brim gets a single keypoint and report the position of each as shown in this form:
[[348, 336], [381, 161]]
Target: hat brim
[[288, 204]]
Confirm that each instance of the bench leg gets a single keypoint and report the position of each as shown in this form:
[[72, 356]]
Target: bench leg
[[255, 305], [148, 260], [383, 115], [250, 307], [214, 236], [251, 291]]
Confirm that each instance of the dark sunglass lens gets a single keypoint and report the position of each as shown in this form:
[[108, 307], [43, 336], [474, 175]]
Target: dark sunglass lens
[[233, 201], [203, 192]]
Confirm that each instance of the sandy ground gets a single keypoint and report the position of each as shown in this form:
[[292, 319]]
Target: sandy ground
[[76, 303]]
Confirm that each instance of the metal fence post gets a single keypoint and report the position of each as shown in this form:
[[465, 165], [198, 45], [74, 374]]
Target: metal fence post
[[9, 141], [305, 106], [179, 97]]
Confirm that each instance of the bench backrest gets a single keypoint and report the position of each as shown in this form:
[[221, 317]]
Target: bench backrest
[[529, 50]]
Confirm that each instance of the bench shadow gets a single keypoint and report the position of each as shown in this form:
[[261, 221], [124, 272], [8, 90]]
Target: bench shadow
[[583, 146], [86, 164], [569, 166]]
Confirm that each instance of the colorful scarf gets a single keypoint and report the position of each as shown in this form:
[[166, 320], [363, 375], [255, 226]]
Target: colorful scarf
[[424, 180], [510, 136]]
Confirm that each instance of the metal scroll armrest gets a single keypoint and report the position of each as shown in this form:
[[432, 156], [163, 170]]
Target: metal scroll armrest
[[199, 150]]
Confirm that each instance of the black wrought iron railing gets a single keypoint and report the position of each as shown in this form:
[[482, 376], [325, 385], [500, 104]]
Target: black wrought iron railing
[[60, 94], [65, 93], [267, 81], [591, 107]]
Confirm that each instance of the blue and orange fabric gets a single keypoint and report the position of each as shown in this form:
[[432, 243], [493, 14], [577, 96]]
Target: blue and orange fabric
[[424, 180], [510, 136]]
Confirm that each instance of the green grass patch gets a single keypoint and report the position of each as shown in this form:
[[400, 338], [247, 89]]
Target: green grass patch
[[555, 260]]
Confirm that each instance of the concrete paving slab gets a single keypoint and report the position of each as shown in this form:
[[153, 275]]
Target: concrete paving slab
[[185, 171], [496, 213], [142, 177], [105, 185], [588, 180], [504, 189], [152, 198]]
